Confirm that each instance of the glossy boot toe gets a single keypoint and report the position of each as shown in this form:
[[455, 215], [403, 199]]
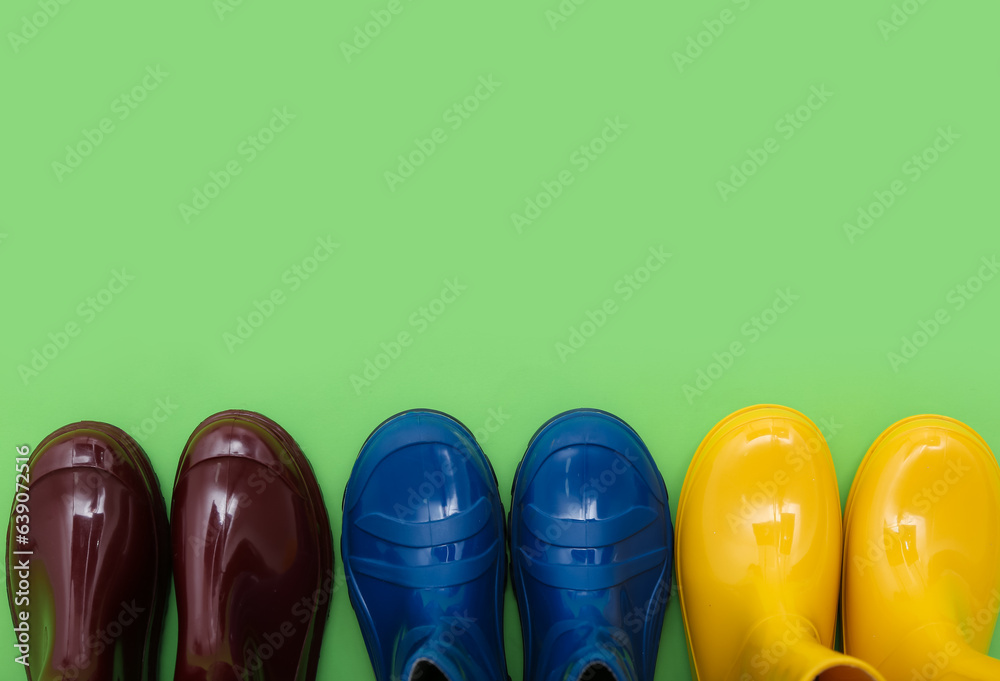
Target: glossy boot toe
[[88, 558], [591, 551], [759, 551], [423, 547], [253, 554], [922, 553]]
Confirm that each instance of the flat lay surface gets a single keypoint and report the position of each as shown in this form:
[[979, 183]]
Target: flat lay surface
[[331, 214]]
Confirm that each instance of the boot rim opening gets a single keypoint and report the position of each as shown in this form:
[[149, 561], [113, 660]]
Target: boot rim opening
[[420, 667], [595, 667], [844, 670]]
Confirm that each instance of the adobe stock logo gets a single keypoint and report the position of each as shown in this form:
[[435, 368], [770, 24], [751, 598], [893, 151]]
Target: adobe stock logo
[[625, 288], [495, 418], [420, 320], [122, 107], [32, 23], [753, 329], [161, 412], [292, 279], [913, 169], [249, 150], [787, 126], [365, 33], [704, 39], [958, 297], [982, 620], [901, 14], [224, 7], [563, 11], [88, 310], [581, 159], [425, 147]]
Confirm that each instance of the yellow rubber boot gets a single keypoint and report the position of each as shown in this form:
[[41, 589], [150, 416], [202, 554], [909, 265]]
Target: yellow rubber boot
[[758, 551], [922, 554]]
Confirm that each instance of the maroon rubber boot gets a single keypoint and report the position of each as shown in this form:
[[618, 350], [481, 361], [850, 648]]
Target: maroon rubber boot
[[253, 554], [88, 558]]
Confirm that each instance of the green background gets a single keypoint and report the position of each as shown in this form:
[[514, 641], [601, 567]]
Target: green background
[[496, 346]]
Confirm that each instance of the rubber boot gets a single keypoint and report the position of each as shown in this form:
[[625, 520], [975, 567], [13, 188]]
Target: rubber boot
[[423, 546], [591, 551], [922, 553], [88, 558], [253, 554], [759, 551]]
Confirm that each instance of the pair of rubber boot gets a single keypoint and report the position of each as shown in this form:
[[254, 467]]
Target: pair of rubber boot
[[90, 552], [425, 551], [761, 543]]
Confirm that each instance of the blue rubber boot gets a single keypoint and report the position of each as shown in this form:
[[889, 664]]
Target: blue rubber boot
[[424, 552], [591, 551]]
